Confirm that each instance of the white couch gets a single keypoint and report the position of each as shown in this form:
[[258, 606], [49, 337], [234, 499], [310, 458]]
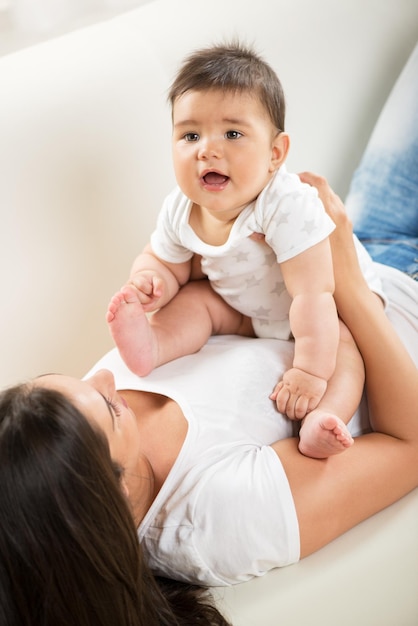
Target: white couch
[[84, 165]]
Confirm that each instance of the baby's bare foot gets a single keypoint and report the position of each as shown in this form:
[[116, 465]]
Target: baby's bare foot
[[323, 435], [131, 332]]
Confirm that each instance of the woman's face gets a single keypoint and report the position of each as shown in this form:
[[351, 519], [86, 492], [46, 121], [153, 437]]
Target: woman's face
[[97, 399]]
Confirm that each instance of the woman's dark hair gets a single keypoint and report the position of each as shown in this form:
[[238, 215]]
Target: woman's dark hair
[[232, 68], [69, 551]]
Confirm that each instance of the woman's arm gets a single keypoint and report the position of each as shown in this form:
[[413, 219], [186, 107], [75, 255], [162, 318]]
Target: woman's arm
[[334, 494], [363, 313]]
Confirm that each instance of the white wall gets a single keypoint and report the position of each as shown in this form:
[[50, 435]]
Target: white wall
[[24, 23]]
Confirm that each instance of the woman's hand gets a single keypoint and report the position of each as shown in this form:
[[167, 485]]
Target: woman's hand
[[347, 272], [332, 203]]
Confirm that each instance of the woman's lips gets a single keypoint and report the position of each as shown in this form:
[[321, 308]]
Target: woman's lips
[[123, 401]]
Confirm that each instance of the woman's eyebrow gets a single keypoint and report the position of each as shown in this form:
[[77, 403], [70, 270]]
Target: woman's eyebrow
[[109, 407], [48, 374]]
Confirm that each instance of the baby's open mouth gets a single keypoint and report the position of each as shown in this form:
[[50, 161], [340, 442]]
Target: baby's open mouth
[[213, 178]]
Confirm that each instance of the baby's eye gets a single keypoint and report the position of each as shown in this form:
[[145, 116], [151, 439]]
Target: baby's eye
[[191, 137], [233, 134]]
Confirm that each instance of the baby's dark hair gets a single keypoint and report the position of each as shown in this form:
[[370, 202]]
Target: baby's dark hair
[[231, 68]]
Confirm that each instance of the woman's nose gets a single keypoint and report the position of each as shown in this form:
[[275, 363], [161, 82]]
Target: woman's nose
[[104, 381]]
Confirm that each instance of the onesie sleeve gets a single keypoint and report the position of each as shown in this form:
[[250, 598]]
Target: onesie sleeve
[[166, 240], [292, 216]]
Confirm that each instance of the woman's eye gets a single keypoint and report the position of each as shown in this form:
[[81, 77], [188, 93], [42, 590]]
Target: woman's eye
[[116, 408], [233, 134], [191, 137]]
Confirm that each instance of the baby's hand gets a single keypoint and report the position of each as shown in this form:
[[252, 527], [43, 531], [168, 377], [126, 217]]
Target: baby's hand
[[298, 393], [150, 289]]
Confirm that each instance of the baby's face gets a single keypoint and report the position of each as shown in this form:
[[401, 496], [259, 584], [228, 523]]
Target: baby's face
[[225, 149]]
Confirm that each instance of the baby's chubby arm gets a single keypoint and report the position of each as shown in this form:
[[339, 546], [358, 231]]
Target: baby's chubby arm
[[313, 317], [156, 280]]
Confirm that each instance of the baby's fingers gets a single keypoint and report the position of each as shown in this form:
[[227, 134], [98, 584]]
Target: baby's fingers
[[143, 283], [281, 396], [157, 287], [303, 405], [294, 406], [285, 401]]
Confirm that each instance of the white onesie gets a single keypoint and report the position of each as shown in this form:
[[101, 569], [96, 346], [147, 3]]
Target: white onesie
[[246, 273]]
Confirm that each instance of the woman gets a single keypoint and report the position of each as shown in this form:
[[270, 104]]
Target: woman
[[215, 471], [69, 552]]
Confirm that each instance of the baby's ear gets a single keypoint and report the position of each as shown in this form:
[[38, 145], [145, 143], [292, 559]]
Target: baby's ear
[[280, 148]]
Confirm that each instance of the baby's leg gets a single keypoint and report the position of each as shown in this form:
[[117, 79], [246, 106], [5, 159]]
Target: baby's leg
[[181, 327], [324, 431]]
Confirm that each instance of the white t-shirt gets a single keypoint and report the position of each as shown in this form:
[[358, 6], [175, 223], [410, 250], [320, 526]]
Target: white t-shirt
[[246, 273], [225, 513]]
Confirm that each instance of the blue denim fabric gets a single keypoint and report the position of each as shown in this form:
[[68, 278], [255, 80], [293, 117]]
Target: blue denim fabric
[[383, 196]]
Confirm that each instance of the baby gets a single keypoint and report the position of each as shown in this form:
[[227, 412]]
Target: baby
[[262, 238]]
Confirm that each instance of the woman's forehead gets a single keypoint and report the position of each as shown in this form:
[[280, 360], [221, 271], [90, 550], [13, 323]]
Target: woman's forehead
[[56, 381], [72, 388]]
